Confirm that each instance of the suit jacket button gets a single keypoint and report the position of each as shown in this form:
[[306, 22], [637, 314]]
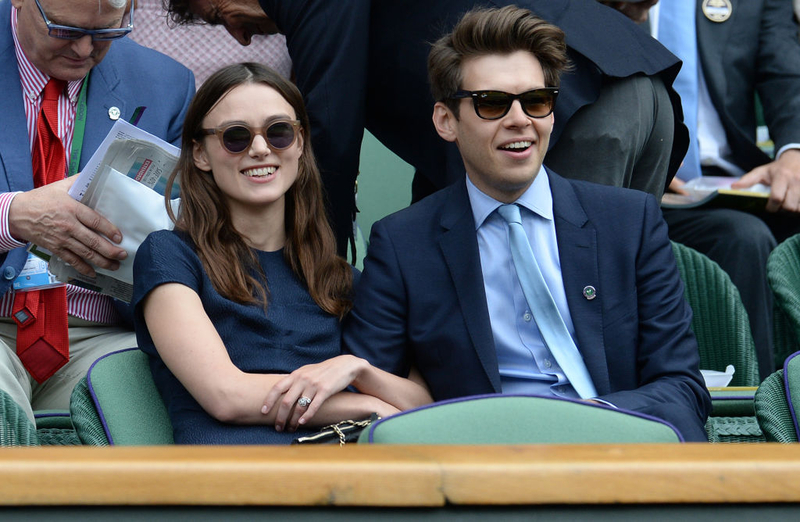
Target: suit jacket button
[[9, 273], [589, 292]]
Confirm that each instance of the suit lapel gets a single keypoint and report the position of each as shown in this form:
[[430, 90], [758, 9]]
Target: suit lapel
[[460, 249], [577, 249], [104, 80], [15, 149], [712, 42]]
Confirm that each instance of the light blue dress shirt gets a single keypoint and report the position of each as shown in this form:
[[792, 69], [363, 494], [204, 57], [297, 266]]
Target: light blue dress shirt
[[526, 365]]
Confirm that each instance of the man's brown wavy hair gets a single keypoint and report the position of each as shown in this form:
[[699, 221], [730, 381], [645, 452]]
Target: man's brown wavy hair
[[484, 31], [229, 261]]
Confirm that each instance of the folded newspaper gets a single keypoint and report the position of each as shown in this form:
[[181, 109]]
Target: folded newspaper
[[124, 181]]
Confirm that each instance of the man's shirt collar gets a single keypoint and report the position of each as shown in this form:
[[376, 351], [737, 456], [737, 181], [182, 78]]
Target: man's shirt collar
[[537, 198]]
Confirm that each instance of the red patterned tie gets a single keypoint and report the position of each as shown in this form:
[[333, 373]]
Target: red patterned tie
[[41, 315]]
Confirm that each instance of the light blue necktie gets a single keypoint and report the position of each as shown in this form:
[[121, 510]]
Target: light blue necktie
[[551, 325], [677, 32]]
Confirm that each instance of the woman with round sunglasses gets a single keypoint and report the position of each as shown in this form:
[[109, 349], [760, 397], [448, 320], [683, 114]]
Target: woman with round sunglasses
[[240, 306]]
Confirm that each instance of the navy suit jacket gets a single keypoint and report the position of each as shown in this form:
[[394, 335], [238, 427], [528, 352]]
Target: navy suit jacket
[[755, 51], [129, 76], [421, 301]]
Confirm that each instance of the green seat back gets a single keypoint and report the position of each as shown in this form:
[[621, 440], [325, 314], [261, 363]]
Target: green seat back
[[772, 410], [719, 320], [126, 403], [517, 419], [85, 418], [783, 274]]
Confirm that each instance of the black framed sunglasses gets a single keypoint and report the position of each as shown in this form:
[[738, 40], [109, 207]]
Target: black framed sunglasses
[[67, 32], [493, 105], [237, 137]]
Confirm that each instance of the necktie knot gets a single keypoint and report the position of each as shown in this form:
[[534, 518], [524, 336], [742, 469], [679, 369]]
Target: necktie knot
[[510, 213], [53, 89]]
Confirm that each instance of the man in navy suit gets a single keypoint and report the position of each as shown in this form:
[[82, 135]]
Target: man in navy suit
[[98, 79], [440, 292]]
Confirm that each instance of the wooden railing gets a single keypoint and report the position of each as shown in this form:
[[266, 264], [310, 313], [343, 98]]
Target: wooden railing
[[360, 475]]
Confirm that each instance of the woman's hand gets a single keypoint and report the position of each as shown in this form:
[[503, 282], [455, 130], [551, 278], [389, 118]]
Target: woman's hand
[[313, 382]]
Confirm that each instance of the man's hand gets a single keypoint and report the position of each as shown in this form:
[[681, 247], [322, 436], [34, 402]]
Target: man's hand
[[50, 218], [782, 176]]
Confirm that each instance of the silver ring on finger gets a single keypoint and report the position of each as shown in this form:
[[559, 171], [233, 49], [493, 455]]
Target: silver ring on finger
[[303, 402]]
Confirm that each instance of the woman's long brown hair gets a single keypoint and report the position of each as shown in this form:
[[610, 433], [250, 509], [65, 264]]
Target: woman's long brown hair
[[231, 265]]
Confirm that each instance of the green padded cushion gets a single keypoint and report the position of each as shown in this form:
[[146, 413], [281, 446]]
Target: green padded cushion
[[127, 400], [514, 419], [772, 410]]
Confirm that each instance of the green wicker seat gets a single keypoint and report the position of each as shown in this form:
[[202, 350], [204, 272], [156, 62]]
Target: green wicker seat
[[722, 328], [88, 426], [785, 340], [720, 321], [783, 274], [517, 419], [734, 429], [118, 403], [15, 428], [772, 410], [54, 428]]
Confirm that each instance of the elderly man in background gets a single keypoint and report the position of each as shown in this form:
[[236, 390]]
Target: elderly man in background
[[67, 72]]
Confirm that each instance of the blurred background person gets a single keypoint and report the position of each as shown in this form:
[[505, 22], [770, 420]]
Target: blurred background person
[[205, 48]]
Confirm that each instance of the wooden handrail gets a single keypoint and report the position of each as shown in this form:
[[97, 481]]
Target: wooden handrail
[[400, 475]]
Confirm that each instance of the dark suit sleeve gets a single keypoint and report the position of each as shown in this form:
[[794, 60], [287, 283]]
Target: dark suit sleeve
[[375, 329], [669, 383], [328, 43], [778, 71]]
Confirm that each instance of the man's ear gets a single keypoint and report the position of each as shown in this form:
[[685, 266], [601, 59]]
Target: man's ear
[[445, 122], [200, 157]]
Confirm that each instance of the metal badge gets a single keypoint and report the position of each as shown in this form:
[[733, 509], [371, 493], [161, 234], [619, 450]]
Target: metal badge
[[589, 292], [717, 10], [114, 113]]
